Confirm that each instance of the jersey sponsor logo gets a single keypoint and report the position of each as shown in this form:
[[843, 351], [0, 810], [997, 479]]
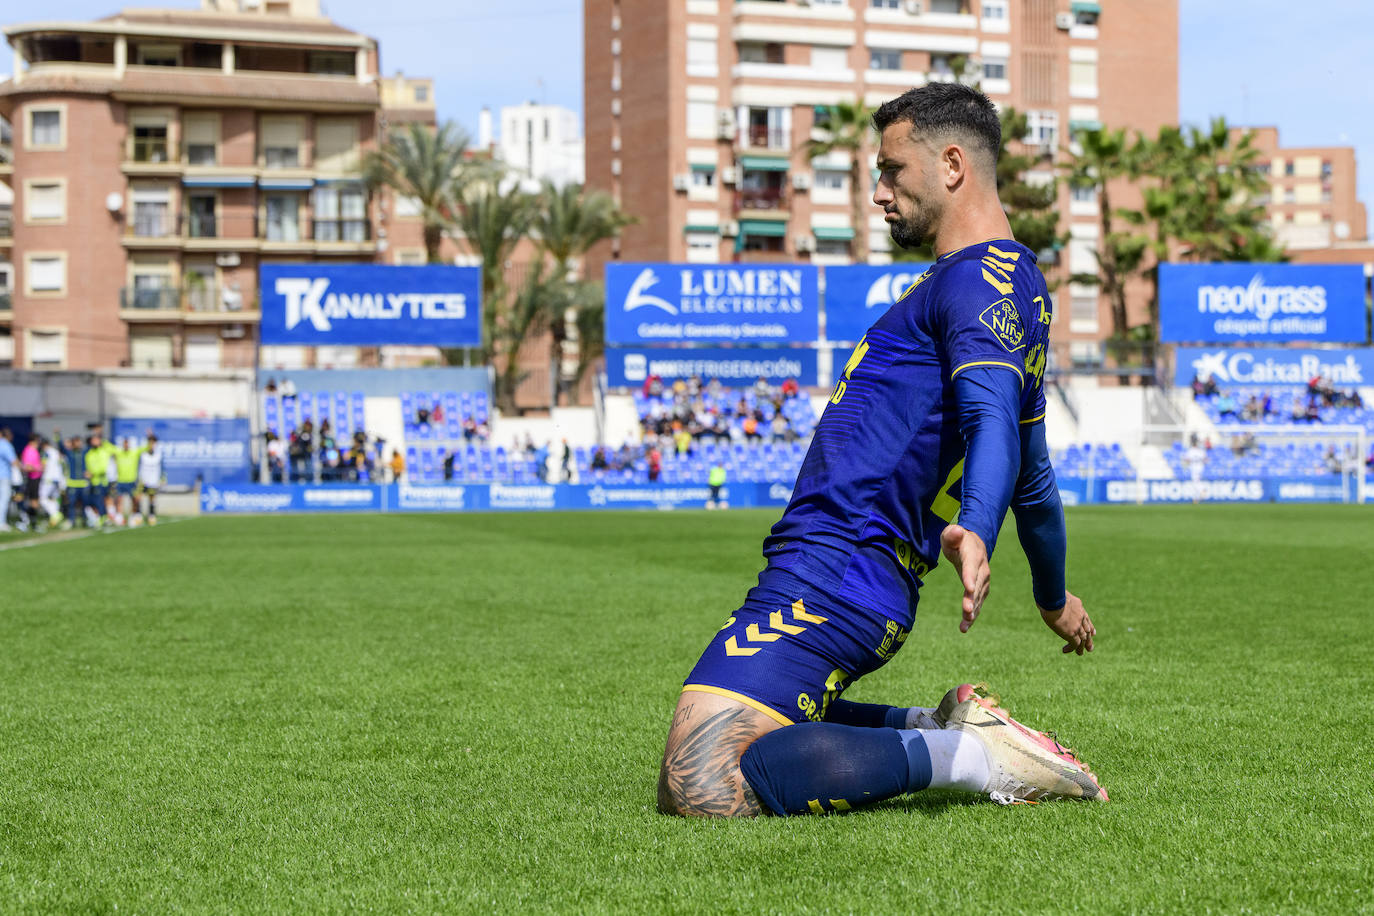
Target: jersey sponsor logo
[[1002, 319]]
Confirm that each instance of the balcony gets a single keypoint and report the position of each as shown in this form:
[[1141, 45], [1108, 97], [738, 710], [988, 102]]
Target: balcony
[[6, 305], [195, 303], [761, 136], [154, 229], [6, 229]]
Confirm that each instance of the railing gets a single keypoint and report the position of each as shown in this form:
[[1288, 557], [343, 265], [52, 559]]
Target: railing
[[763, 137], [150, 150], [153, 224], [760, 199], [6, 301], [6, 226], [200, 299], [342, 230]]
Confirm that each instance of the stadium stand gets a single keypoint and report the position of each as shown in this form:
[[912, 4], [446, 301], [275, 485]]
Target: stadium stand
[[1101, 462], [343, 410]]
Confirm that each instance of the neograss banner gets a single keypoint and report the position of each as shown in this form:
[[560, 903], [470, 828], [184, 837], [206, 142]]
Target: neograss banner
[[735, 368], [857, 295], [371, 304], [1262, 303], [712, 303]]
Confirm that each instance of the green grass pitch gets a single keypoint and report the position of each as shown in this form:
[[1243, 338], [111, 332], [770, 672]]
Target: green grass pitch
[[465, 714]]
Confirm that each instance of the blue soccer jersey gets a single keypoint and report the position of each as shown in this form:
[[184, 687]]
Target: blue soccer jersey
[[883, 475]]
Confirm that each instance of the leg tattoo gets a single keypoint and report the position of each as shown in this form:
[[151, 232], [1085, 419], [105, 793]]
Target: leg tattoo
[[701, 775]]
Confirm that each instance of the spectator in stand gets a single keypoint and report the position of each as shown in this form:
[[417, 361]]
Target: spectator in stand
[[469, 428], [682, 439], [751, 428], [303, 452], [398, 466], [288, 389], [762, 390], [271, 386], [1297, 412], [694, 386], [655, 464], [1333, 461], [780, 429], [599, 462], [714, 389], [1243, 444], [448, 464], [1226, 405], [541, 462], [653, 386], [437, 414], [1314, 409], [566, 463], [151, 479], [422, 416], [8, 460], [1267, 405], [1252, 410], [790, 388]]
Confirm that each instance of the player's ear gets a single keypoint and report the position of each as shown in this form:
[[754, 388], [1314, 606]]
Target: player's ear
[[954, 165]]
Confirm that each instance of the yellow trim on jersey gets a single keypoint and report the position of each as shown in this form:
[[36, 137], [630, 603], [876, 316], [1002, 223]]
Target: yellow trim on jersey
[[988, 362], [747, 701], [1035, 419]]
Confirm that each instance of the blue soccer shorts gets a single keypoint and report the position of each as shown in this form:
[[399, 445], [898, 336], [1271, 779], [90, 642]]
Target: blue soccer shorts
[[792, 649]]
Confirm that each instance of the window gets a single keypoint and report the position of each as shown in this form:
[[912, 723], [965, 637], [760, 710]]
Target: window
[[150, 142], [884, 59], [45, 128], [756, 52], [885, 4], [152, 212], [202, 294], [703, 247], [995, 10], [829, 58], [830, 180], [701, 57], [202, 351], [200, 210], [153, 290], [283, 218], [703, 178], [1042, 129], [701, 120], [769, 127], [340, 214], [422, 93], [994, 68], [46, 273], [1083, 309], [47, 348], [336, 145], [200, 134], [1083, 78], [947, 6], [159, 55], [281, 142], [151, 351], [331, 63], [833, 247], [46, 201], [1289, 167], [1083, 256]]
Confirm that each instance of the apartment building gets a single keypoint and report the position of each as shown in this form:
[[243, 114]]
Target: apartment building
[[542, 142], [158, 157], [698, 112], [1311, 202]]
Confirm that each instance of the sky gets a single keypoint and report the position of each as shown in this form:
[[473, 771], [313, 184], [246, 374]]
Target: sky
[[1304, 68]]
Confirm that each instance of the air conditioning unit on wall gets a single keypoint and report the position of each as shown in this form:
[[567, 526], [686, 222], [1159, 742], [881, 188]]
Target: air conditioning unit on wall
[[806, 243], [729, 175], [914, 7], [729, 228], [682, 182], [227, 259], [801, 181], [1063, 21]]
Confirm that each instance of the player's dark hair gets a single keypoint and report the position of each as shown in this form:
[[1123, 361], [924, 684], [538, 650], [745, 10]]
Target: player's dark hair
[[946, 109]]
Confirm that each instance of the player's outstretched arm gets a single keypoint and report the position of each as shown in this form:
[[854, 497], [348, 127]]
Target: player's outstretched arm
[[1072, 623], [968, 555]]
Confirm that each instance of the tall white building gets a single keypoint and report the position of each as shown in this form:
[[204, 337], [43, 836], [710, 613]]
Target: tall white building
[[542, 141]]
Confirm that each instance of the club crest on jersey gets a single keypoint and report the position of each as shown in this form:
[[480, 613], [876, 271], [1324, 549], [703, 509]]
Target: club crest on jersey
[[1002, 319]]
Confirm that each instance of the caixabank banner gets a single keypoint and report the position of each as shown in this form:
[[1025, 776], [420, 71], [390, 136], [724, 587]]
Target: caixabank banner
[[856, 295], [1262, 303], [371, 304], [712, 303], [1274, 366]]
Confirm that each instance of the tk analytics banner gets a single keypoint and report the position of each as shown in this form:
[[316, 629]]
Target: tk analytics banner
[[1343, 368], [371, 304], [736, 368], [858, 294], [712, 303], [216, 451], [1261, 303]]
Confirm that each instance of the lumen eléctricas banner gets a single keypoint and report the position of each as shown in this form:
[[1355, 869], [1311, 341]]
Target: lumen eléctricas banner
[[712, 303], [370, 304]]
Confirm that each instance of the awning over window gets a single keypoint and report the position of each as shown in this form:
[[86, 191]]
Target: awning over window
[[1086, 6], [286, 184], [1084, 125], [701, 227], [833, 233], [768, 227], [763, 163], [703, 166], [219, 181]]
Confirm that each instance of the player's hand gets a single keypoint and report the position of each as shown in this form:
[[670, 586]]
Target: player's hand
[[966, 551], [1072, 624]]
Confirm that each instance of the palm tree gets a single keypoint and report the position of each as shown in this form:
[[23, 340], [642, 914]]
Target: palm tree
[[494, 221], [849, 127], [1030, 207], [426, 166], [569, 221]]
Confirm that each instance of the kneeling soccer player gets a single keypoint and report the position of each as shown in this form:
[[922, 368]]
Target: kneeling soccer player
[[938, 414]]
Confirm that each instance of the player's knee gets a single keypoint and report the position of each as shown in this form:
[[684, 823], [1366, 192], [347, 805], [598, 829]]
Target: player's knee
[[705, 782]]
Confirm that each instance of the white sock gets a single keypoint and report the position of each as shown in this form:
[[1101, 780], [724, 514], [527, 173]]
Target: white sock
[[957, 760], [921, 717]]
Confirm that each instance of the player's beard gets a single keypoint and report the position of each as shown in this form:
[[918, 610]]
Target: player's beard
[[910, 233]]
